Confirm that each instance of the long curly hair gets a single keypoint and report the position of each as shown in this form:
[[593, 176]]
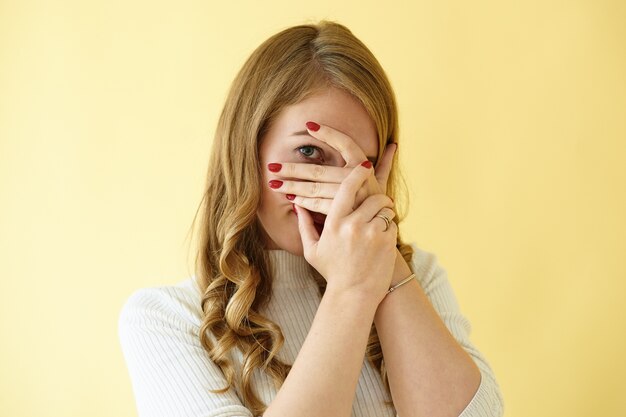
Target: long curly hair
[[231, 267]]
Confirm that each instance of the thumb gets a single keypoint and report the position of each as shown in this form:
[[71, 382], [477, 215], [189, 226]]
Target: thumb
[[384, 168], [308, 233]]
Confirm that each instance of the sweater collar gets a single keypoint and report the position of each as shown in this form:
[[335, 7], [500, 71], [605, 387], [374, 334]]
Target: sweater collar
[[289, 270]]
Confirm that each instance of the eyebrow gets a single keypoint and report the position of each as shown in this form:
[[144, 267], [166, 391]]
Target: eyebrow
[[372, 159]]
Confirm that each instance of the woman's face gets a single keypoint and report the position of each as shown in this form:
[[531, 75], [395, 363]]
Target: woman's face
[[287, 140]]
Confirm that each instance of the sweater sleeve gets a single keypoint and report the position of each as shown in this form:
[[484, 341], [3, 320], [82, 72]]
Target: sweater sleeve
[[488, 400], [170, 372]]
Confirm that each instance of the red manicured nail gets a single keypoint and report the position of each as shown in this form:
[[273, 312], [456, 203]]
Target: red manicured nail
[[290, 196], [274, 167], [313, 126], [366, 164], [276, 183]]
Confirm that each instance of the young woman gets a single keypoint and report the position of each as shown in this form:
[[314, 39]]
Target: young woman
[[305, 300]]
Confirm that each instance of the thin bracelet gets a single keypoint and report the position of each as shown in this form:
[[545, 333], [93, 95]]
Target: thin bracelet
[[404, 281]]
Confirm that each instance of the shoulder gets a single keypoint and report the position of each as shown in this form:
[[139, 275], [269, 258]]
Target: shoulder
[[170, 370], [177, 304]]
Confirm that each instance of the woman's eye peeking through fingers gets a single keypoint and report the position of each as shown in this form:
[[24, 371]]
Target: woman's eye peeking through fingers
[[306, 152]]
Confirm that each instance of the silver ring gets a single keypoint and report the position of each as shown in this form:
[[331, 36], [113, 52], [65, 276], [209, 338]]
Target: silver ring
[[385, 219]]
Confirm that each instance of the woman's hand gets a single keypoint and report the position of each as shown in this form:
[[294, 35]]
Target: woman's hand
[[322, 181], [355, 254]]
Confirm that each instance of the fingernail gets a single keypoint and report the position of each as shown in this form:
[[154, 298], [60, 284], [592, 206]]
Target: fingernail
[[276, 183], [313, 126], [290, 196], [366, 164], [294, 208], [274, 167]]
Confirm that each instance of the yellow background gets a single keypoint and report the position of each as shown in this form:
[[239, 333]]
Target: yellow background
[[513, 138]]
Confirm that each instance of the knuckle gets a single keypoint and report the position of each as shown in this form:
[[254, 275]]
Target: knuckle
[[318, 171], [351, 230], [314, 189], [372, 233], [315, 204]]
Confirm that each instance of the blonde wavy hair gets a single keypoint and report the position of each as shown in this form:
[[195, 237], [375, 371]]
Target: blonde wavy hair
[[231, 265]]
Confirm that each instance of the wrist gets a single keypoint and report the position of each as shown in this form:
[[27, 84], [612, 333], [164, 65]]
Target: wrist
[[401, 283], [352, 298], [401, 270]]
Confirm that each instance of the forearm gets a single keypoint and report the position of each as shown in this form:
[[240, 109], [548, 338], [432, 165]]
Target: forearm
[[324, 376], [429, 373]]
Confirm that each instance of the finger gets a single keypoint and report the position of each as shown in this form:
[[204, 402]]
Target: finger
[[313, 172], [308, 233], [307, 188], [322, 205], [344, 199], [318, 205], [347, 147], [361, 195], [389, 214], [376, 185], [372, 206], [384, 168]]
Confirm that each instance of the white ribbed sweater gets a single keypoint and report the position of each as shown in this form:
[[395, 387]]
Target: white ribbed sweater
[[171, 374]]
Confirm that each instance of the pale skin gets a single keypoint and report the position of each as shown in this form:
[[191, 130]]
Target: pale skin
[[430, 374]]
